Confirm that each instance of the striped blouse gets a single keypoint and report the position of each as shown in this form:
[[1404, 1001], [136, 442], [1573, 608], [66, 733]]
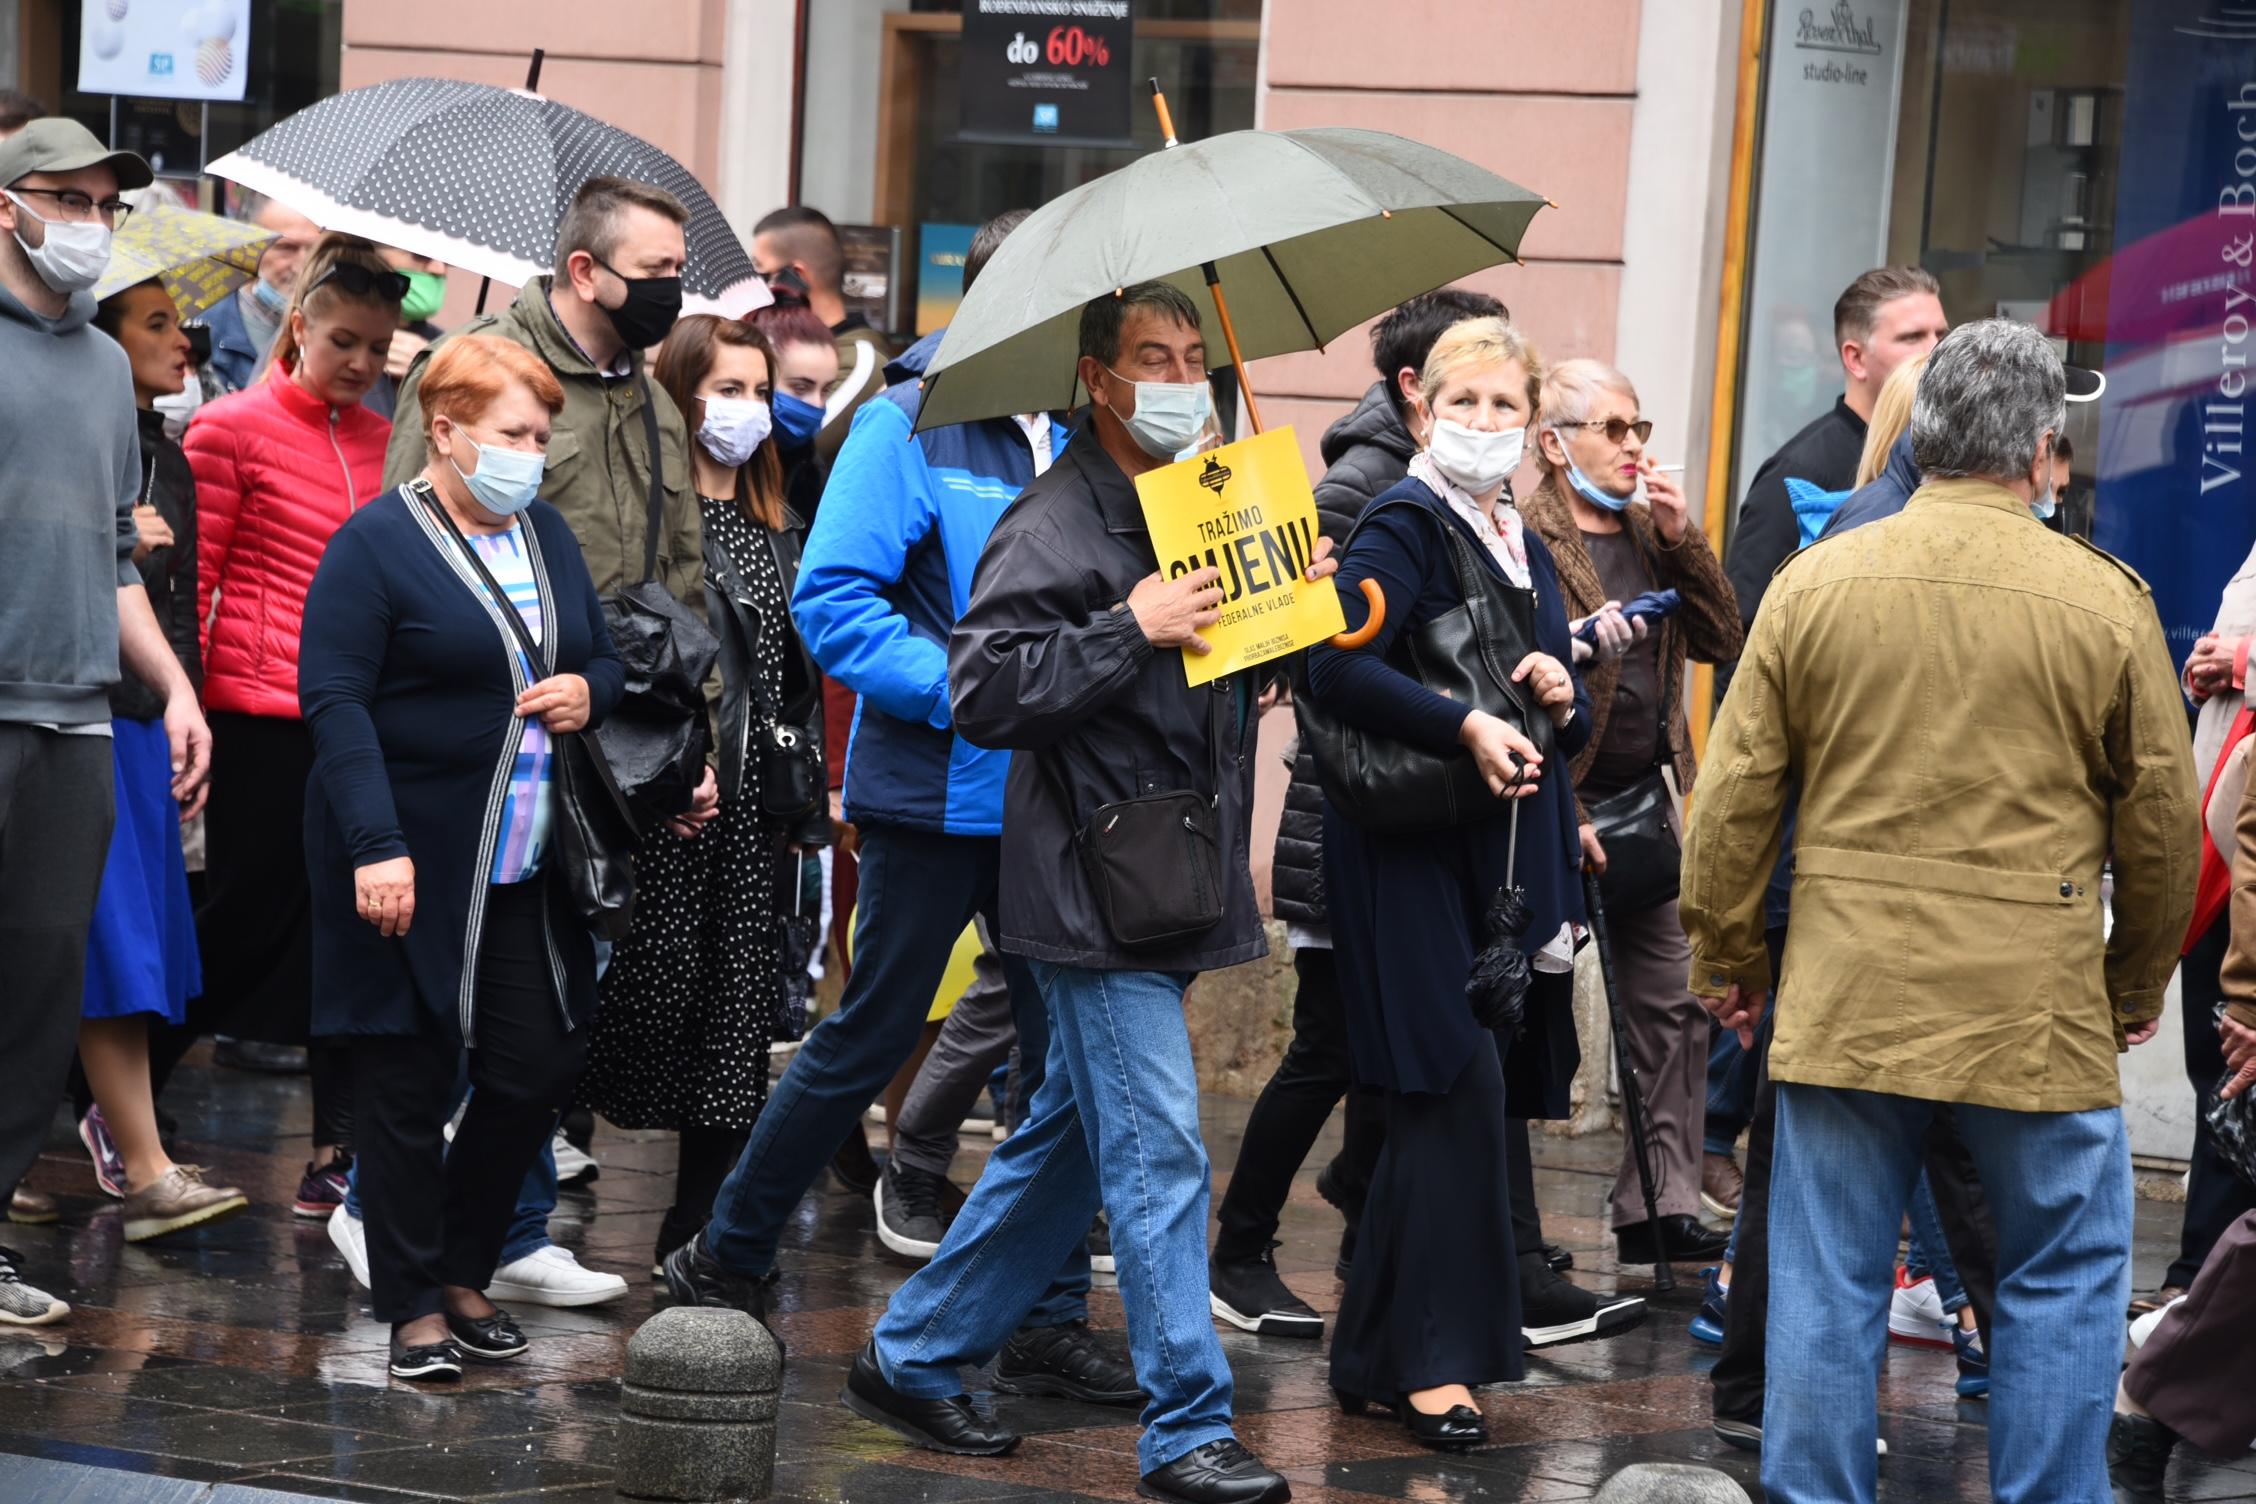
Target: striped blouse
[[526, 810]]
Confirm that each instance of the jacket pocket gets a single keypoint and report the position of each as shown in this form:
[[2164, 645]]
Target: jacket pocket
[[563, 463], [1931, 875]]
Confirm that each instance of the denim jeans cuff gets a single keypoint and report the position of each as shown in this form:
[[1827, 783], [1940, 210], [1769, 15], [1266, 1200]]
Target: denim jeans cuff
[[919, 1383], [518, 1248]]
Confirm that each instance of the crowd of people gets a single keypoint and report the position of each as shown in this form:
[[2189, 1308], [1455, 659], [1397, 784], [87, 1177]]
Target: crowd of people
[[327, 604]]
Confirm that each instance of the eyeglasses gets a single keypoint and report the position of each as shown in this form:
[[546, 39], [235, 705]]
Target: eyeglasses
[[1617, 429], [114, 211], [360, 282]]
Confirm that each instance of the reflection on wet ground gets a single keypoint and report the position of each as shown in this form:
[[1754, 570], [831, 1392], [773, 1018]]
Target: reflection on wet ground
[[244, 1353]]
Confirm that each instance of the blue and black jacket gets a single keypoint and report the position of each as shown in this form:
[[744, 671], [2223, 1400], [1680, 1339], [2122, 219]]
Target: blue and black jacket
[[886, 571]]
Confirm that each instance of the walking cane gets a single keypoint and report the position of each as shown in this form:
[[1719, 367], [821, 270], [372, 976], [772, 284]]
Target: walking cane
[[1633, 1095]]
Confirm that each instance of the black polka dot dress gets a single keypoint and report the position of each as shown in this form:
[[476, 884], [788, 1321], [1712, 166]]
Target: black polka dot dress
[[690, 1003]]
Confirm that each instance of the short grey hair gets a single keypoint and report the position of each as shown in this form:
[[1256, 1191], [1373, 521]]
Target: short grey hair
[[1992, 390], [1571, 389]]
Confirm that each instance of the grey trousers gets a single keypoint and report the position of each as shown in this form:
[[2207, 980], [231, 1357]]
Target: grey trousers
[[1668, 1043], [58, 800], [976, 1038]]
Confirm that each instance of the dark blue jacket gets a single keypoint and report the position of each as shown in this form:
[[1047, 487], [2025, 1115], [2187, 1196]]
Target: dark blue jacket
[[235, 355], [1406, 910], [886, 571], [408, 678]]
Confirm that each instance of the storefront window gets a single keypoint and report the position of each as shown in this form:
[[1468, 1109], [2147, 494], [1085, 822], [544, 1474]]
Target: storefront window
[[883, 142]]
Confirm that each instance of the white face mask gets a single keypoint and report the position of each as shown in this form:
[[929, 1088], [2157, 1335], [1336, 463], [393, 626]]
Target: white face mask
[[73, 257], [1169, 415], [1477, 459], [734, 427], [179, 407]]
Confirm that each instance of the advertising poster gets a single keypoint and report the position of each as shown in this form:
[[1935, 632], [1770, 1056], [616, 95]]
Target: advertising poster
[[941, 249], [2177, 478], [1047, 72], [1246, 509], [165, 49]]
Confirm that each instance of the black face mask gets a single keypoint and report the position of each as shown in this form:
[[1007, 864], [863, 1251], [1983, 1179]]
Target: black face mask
[[648, 315], [788, 288]]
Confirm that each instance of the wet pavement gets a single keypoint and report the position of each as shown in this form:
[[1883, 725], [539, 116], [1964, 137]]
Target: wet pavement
[[244, 1354]]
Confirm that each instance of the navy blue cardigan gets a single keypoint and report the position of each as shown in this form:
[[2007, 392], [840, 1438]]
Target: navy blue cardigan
[[1406, 910], [408, 678]]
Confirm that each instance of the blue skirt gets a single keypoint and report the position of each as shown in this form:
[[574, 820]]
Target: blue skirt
[[141, 953]]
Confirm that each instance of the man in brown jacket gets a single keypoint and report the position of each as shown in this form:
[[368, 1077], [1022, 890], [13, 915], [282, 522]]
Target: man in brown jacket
[[1612, 545], [1980, 714]]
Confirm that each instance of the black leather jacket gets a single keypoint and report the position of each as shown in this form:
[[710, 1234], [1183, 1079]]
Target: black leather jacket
[[746, 708], [169, 574]]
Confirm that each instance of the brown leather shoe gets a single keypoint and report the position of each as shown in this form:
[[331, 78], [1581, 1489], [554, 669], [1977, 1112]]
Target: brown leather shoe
[[1721, 1185], [179, 1199], [2147, 1305], [31, 1208]]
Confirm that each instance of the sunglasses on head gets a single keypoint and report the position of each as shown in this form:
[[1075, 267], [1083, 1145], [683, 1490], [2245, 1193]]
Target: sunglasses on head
[[360, 282], [1617, 429]]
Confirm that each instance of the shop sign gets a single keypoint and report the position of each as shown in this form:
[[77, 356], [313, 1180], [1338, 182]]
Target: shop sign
[[2177, 470], [1047, 72], [1830, 101], [165, 49]]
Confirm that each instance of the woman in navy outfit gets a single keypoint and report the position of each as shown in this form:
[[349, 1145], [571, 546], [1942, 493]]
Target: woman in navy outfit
[[440, 922], [1433, 1305]]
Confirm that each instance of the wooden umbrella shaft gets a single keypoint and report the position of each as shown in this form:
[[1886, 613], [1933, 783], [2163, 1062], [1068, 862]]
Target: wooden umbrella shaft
[[1230, 338]]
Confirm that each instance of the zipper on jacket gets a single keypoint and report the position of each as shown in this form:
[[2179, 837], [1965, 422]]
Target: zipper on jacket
[[336, 418]]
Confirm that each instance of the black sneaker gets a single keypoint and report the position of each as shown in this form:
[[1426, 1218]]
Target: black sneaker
[[908, 1211], [1067, 1361], [1251, 1296], [694, 1278], [853, 1166], [952, 1425], [1221, 1472], [1554, 1312], [2138, 1454]]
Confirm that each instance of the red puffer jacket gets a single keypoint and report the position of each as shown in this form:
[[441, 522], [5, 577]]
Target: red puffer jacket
[[277, 471]]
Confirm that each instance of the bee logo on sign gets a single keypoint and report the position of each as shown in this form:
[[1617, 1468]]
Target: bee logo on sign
[[1215, 476]]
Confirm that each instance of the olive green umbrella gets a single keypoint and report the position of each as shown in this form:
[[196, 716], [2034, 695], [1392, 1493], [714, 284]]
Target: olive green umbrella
[[1306, 234]]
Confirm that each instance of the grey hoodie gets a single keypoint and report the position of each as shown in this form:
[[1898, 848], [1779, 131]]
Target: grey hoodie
[[70, 472]]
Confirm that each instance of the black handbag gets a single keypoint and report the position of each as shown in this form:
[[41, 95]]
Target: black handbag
[[657, 738], [1155, 862], [1637, 828], [2232, 1126], [593, 827], [1468, 654], [789, 755]]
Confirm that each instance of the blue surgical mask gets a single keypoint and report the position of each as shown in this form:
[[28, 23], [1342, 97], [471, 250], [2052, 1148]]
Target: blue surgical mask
[[1598, 496], [1169, 415], [2045, 505], [271, 298], [796, 422], [506, 480]]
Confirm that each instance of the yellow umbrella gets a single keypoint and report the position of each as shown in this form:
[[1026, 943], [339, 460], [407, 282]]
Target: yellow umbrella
[[199, 257]]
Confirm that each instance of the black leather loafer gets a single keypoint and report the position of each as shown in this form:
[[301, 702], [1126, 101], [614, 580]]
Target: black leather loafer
[[490, 1339], [1690, 1241], [1069, 1362], [1221, 1472], [426, 1361], [1457, 1429], [950, 1425], [695, 1278]]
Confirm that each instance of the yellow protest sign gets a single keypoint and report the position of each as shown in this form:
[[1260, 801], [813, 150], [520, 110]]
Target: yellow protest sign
[[1247, 510]]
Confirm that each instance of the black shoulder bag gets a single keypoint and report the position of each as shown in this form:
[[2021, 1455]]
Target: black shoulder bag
[[1154, 863], [788, 754], [593, 826], [1466, 654], [658, 736], [1637, 826]]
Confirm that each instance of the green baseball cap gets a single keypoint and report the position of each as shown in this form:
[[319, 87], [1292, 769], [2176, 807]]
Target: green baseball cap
[[56, 143]]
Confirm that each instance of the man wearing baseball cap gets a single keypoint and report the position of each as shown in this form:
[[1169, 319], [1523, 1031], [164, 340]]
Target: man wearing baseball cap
[[70, 470]]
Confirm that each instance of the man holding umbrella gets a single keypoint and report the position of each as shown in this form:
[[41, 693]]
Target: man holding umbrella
[[1064, 655]]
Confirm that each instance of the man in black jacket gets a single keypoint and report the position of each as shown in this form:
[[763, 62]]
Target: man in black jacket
[[1368, 451], [1065, 655]]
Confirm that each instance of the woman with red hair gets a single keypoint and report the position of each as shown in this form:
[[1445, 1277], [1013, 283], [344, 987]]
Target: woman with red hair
[[440, 922]]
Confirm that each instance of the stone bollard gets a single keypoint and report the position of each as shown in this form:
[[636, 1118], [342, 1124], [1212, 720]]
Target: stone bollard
[[697, 1411], [1670, 1483]]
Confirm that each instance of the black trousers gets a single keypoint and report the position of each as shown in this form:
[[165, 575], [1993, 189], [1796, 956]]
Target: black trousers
[[524, 1069], [1739, 1372], [2216, 1198], [702, 1160], [1291, 1112], [1432, 1298], [57, 803]]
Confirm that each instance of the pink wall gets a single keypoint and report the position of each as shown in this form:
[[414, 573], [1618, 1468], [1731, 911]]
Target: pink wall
[[1540, 92]]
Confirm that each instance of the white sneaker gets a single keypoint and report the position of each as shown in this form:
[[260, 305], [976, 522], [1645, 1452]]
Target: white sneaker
[[350, 1237], [22, 1304], [1915, 1314], [2143, 1328], [550, 1276], [572, 1166]]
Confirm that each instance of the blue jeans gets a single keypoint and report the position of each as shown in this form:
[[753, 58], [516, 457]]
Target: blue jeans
[[536, 1199], [1929, 1253], [918, 891], [1115, 1120], [1732, 1072], [2059, 1186]]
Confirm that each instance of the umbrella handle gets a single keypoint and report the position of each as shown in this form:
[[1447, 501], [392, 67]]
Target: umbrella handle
[[1375, 597]]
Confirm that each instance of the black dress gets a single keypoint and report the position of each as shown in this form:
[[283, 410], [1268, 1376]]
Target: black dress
[[690, 1002]]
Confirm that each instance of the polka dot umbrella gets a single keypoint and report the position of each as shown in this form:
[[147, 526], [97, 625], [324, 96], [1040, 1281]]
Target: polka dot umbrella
[[477, 177]]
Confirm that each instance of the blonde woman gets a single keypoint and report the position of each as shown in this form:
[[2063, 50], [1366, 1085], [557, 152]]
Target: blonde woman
[[1885, 476]]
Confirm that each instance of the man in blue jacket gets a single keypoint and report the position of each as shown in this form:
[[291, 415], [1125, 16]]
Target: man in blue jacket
[[886, 570]]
